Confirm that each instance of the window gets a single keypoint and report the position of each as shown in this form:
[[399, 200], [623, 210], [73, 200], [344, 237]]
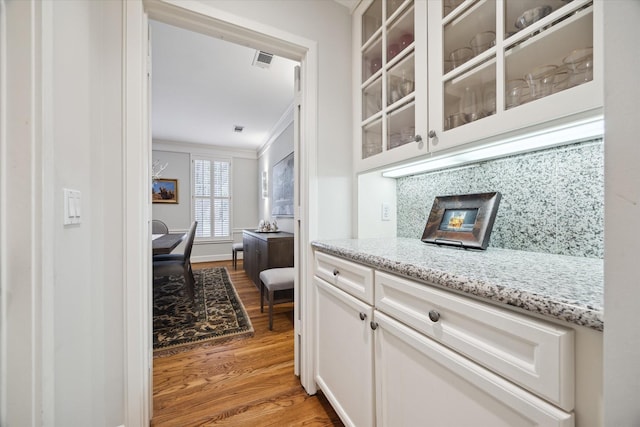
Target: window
[[212, 198]]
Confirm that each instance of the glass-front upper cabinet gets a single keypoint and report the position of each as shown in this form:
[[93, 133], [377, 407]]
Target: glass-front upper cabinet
[[390, 76], [499, 67]]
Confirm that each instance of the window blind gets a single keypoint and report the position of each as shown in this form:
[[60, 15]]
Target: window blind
[[211, 198]]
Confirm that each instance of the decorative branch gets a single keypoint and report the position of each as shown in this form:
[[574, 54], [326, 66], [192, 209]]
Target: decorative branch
[[157, 168]]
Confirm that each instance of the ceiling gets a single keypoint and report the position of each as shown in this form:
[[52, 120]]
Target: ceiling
[[202, 87], [350, 4]]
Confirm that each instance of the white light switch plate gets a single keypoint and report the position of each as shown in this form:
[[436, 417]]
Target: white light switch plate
[[72, 206]]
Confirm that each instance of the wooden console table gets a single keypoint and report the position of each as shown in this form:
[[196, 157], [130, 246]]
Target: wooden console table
[[262, 251]]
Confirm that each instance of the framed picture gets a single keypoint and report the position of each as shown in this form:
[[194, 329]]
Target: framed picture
[[282, 189], [265, 185], [164, 191], [465, 221]]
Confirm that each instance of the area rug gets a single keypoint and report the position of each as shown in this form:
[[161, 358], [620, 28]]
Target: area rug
[[179, 322]]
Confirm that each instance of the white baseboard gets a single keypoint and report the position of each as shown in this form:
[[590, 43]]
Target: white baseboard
[[211, 258]]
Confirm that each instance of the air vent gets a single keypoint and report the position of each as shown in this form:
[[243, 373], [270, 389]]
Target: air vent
[[262, 59], [238, 128]]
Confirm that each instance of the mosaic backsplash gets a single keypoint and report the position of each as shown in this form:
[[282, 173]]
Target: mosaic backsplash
[[552, 200]]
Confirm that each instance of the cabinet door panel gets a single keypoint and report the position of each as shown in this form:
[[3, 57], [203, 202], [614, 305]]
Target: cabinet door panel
[[419, 382], [535, 354], [501, 91], [390, 82], [344, 354]]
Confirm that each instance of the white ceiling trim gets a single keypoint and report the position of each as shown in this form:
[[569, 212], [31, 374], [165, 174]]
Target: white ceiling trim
[[206, 19], [195, 148], [278, 128]]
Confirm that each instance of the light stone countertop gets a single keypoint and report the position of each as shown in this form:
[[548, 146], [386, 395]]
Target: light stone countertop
[[562, 287]]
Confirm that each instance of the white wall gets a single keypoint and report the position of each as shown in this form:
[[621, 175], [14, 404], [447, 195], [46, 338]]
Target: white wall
[[278, 150], [244, 202], [88, 315], [622, 201], [246, 196], [177, 216], [329, 24], [373, 191]]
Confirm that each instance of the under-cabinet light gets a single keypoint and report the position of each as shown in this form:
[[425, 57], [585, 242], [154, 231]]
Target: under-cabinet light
[[560, 135]]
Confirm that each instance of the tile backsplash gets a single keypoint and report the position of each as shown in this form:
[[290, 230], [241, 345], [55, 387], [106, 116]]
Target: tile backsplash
[[552, 200]]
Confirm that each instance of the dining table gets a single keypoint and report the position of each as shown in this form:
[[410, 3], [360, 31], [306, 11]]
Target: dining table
[[165, 243]]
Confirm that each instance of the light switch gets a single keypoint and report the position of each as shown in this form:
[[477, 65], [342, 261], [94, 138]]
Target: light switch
[[72, 206]]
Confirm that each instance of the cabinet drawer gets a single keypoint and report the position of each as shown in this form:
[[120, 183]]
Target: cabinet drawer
[[354, 279], [420, 382], [537, 355]]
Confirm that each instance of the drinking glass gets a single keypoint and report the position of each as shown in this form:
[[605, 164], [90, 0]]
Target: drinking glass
[[482, 41], [469, 105], [489, 98], [540, 80], [460, 56], [455, 120], [513, 92]]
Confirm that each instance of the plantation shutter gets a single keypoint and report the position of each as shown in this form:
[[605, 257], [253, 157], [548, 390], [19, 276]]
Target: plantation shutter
[[221, 198], [211, 198]]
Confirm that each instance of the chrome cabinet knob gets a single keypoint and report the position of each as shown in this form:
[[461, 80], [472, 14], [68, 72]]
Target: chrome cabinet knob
[[335, 272], [373, 325], [418, 138], [432, 134], [434, 316], [363, 316]]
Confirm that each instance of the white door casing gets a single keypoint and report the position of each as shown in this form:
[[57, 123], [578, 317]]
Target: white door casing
[[26, 199], [202, 18]]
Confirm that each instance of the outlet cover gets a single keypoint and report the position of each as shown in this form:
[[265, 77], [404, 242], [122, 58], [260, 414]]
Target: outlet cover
[[386, 212]]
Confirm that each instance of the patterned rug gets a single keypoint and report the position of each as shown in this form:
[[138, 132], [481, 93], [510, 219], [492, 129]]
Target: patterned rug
[[179, 323]]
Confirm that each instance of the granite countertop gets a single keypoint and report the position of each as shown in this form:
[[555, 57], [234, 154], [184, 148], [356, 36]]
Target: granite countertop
[[562, 287]]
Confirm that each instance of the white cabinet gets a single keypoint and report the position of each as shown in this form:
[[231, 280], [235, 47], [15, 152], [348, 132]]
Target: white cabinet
[[478, 76], [344, 358], [548, 71], [390, 69], [420, 382], [344, 339], [434, 357]]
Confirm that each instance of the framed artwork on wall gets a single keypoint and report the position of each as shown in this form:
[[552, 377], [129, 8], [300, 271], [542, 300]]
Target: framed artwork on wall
[[465, 221], [265, 185], [164, 191], [282, 188]]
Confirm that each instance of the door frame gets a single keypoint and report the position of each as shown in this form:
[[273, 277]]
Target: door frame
[[205, 19]]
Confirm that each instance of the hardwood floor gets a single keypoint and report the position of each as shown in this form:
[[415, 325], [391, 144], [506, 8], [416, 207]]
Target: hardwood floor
[[242, 382]]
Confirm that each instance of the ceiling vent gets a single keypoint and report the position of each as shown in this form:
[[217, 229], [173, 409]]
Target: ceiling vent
[[238, 128], [262, 59]]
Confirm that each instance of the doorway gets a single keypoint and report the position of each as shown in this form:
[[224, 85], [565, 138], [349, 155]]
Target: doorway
[[289, 46]]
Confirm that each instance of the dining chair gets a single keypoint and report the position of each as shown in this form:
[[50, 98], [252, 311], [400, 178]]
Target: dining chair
[[159, 227], [175, 264]]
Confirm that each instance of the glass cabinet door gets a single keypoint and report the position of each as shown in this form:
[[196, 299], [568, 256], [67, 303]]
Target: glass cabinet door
[[491, 58], [543, 60], [388, 76], [469, 64]]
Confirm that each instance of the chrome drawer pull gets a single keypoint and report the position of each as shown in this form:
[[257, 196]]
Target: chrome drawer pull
[[335, 272], [434, 316]]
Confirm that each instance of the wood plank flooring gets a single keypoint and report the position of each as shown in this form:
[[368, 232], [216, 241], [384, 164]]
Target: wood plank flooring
[[241, 382]]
